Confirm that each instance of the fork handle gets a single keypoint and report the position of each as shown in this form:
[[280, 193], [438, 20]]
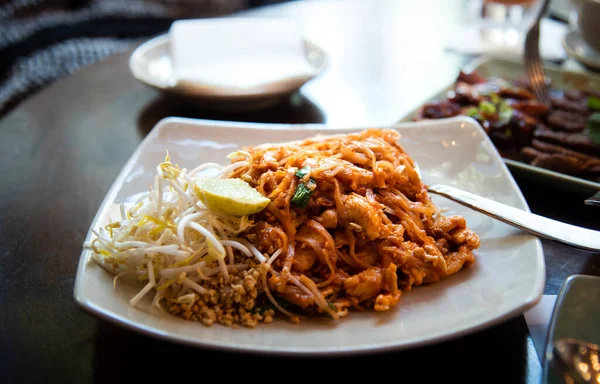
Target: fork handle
[[542, 11], [568, 234], [593, 200]]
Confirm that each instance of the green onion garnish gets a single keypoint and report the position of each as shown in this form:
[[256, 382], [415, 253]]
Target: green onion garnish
[[472, 112], [495, 99], [303, 193], [487, 108], [303, 171], [593, 126], [593, 103], [505, 113]]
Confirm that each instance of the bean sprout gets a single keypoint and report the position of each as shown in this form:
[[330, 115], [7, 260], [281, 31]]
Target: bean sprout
[[168, 239]]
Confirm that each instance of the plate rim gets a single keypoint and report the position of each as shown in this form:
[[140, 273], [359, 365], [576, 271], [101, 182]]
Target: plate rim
[[573, 53], [534, 296], [589, 186]]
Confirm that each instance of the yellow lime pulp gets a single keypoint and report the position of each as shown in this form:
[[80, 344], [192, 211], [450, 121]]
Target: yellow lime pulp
[[230, 196]]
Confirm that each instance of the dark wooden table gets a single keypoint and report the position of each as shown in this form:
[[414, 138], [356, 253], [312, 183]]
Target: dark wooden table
[[61, 150]]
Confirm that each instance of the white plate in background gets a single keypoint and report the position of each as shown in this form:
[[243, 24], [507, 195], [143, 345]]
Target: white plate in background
[[151, 64], [507, 278]]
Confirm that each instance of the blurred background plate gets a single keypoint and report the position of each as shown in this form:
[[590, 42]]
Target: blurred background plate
[[151, 64], [561, 79]]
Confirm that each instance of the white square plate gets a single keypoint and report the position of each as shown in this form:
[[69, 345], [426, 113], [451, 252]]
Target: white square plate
[[506, 279]]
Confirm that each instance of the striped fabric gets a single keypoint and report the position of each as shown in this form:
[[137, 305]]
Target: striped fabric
[[44, 40]]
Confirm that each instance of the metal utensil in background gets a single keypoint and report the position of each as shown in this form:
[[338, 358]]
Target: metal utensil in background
[[578, 360], [536, 74], [533, 61], [593, 200], [568, 234], [575, 317]]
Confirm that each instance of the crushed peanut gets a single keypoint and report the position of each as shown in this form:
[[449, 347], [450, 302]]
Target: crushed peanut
[[229, 303]]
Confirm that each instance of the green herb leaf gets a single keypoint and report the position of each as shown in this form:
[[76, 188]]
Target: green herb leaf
[[303, 171], [472, 112], [593, 126], [593, 103], [494, 98], [487, 108], [303, 193], [263, 304], [505, 113]]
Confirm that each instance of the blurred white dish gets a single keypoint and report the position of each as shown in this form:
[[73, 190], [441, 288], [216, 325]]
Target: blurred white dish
[[151, 63], [560, 9], [578, 49], [484, 38]]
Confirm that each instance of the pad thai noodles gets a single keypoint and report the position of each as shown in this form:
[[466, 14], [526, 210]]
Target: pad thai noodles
[[347, 226]]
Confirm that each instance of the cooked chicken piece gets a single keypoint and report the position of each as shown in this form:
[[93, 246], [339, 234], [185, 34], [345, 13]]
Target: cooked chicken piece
[[364, 285], [414, 261], [340, 238], [321, 201], [304, 258], [454, 230], [340, 277], [267, 239], [530, 107], [270, 160], [465, 236], [438, 110], [446, 224], [472, 77], [515, 93], [349, 174], [465, 94], [316, 244], [328, 218], [442, 245], [387, 300], [457, 260], [368, 255], [291, 292], [295, 295], [414, 191], [388, 248], [364, 215]]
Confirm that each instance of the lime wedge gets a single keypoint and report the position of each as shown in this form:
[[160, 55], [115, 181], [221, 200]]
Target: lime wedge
[[230, 196]]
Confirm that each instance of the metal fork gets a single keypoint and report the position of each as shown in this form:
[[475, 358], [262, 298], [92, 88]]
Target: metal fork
[[533, 61]]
